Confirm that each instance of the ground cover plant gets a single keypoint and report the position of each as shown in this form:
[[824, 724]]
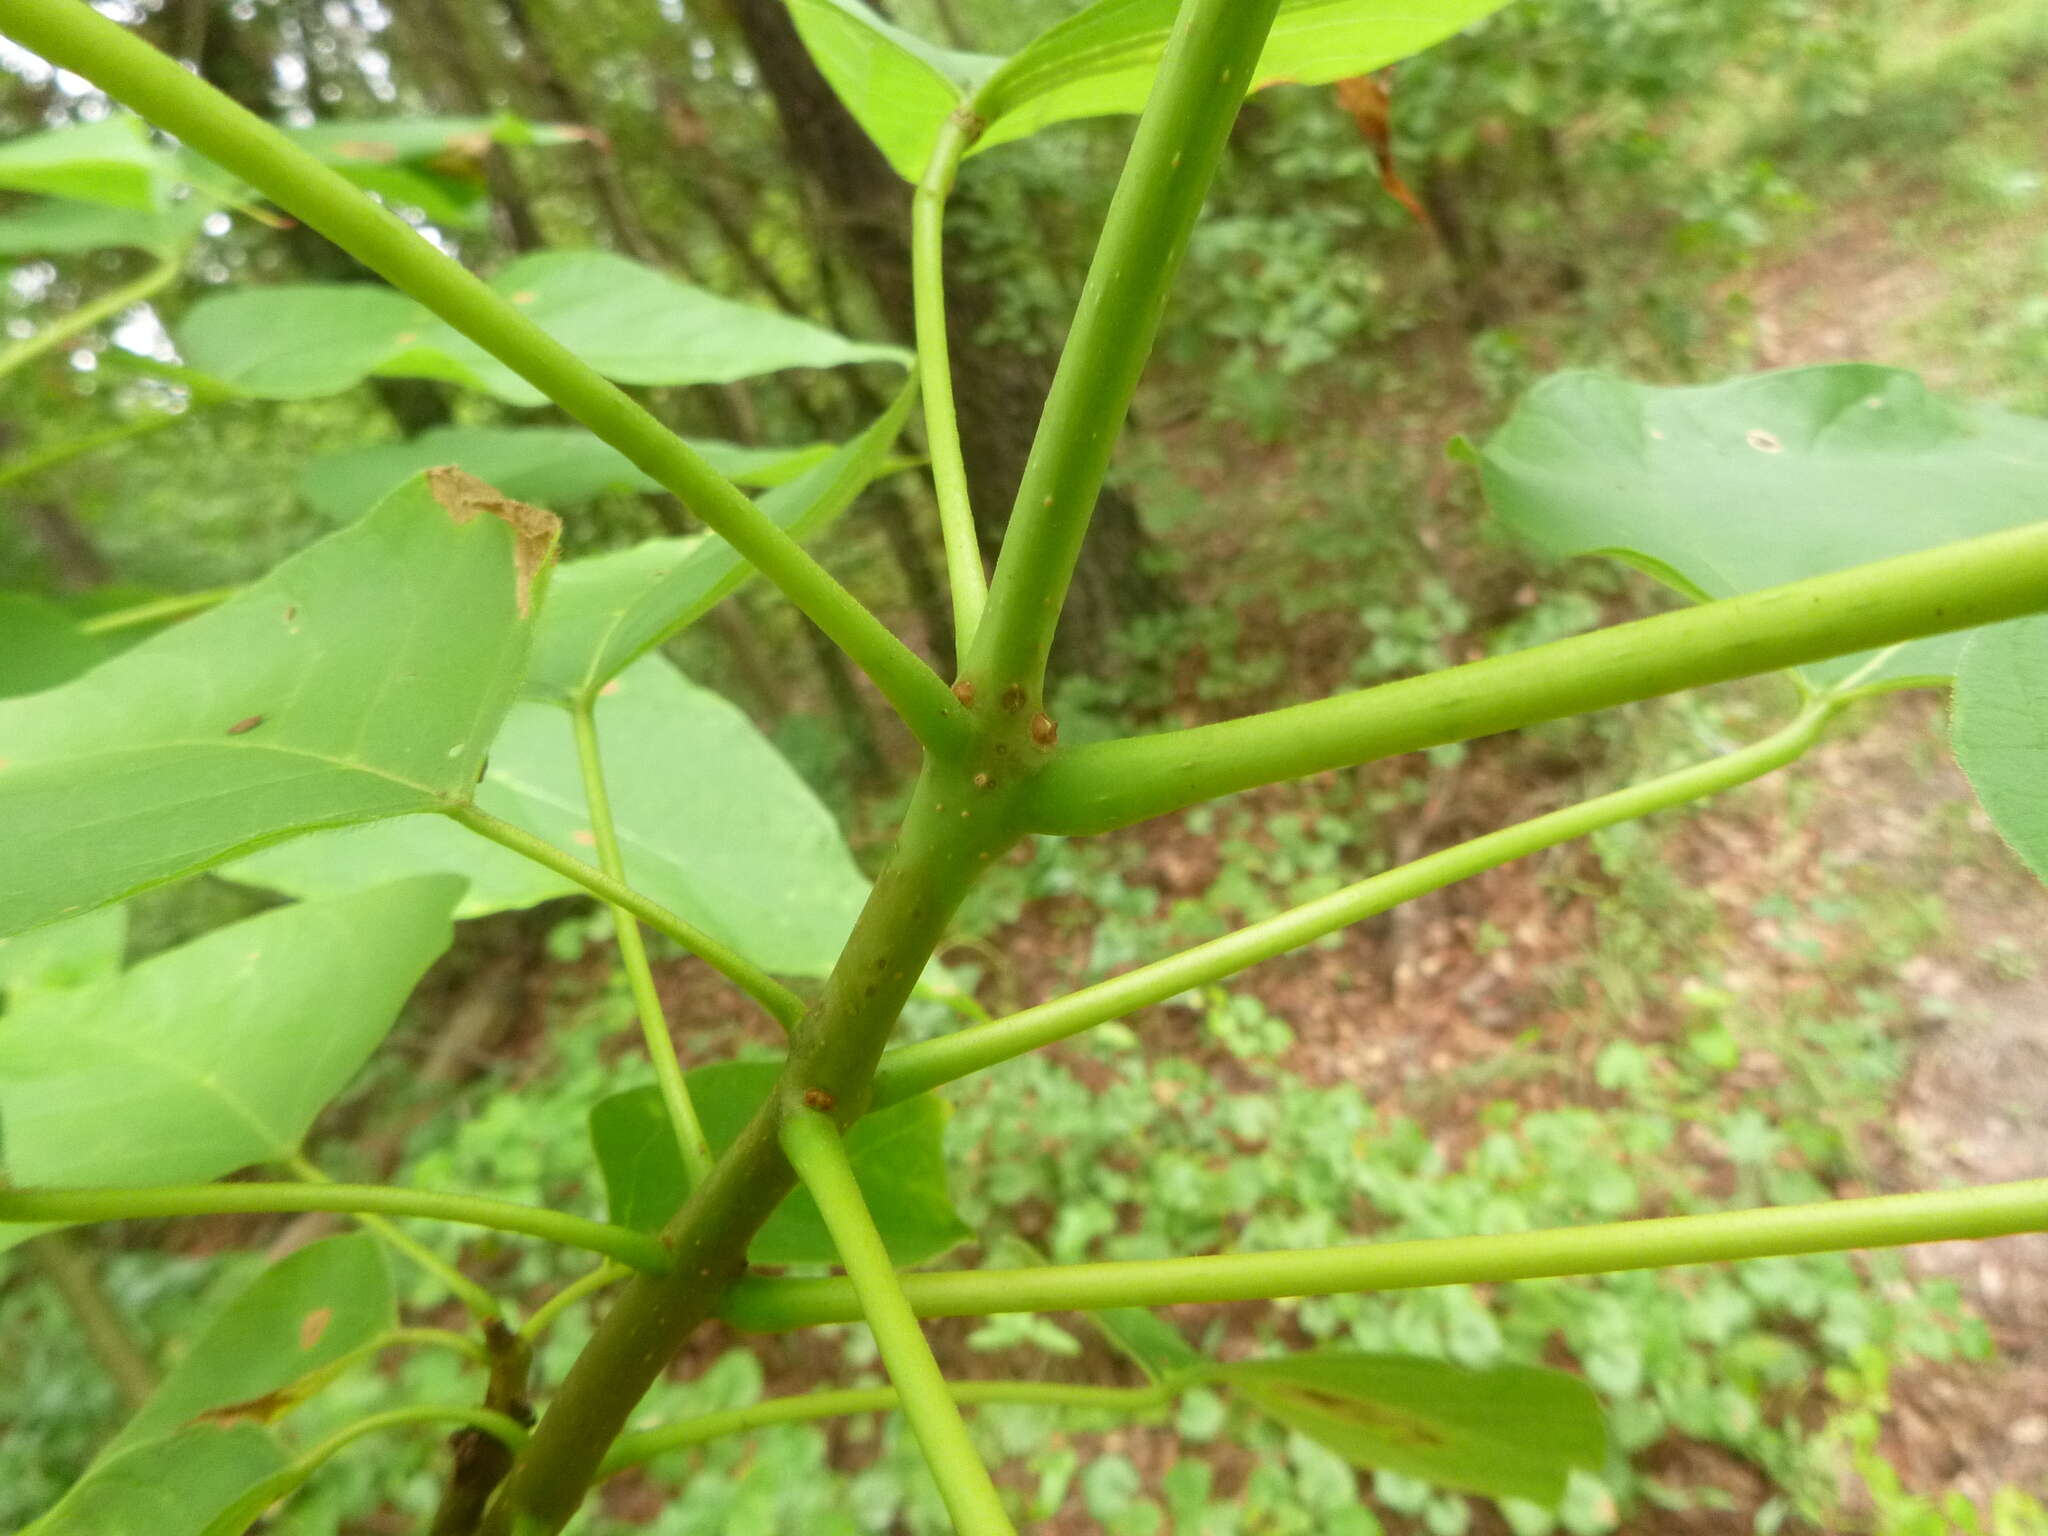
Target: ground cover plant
[[489, 723]]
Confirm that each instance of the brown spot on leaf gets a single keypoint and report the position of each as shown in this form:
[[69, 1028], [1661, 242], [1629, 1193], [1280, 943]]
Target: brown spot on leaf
[[266, 1409], [314, 1326], [1765, 442], [243, 727], [534, 529]]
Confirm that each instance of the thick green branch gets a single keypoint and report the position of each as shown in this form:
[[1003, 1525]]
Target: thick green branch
[[912, 1069], [86, 1205], [71, 34], [1957, 586], [783, 1004], [1202, 81], [661, 1050], [807, 1407], [1884, 1221], [812, 1144], [964, 574]]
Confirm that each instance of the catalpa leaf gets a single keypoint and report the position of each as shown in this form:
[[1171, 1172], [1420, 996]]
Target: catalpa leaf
[[1099, 62], [2000, 732], [304, 1313], [216, 1055], [171, 1487], [898, 1158], [631, 323], [1510, 1432], [1727, 488], [553, 466], [363, 678], [713, 824]]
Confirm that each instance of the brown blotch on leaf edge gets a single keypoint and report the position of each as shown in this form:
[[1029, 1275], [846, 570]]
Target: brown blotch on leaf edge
[[535, 530]]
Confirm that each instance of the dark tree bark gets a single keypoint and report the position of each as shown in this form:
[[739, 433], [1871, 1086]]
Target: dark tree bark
[[998, 390]]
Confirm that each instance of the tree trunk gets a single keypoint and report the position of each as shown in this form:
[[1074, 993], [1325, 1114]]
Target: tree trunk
[[998, 390]]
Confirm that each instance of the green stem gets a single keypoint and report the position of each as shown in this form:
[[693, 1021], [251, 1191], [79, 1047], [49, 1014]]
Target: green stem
[[1935, 591], [483, 1306], [497, 1425], [69, 33], [1202, 81], [1883, 1221], [75, 1278], [812, 1144], [964, 572], [88, 315], [912, 1069], [157, 611], [661, 1050], [317, 1194], [600, 1278], [784, 1005], [72, 448], [806, 1407]]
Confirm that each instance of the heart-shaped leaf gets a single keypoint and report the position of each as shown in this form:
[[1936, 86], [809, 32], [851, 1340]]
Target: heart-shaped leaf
[[2000, 731], [1726, 488], [631, 323], [553, 466], [362, 678], [1510, 1432], [713, 823], [170, 1487], [302, 1314], [1101, 61], [607, 610], [898, 1158], [218, 1054]]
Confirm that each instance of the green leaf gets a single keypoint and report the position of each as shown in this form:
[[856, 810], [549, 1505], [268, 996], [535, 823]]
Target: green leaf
[[434, 164], [216, 1055], [1726, 488], [297, 1317], [2000, 732], [1509, 1432], [1099, 62], [898, 1157], [111, 161], [897, 86], [605, 611], [714, 825], [363, 678], [40, 645], [55, 228], [1149, 1339], [169, 1487], [63, 955], [630, 322], [552, 466]]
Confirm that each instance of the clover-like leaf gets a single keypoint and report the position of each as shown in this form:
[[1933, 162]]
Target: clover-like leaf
[[218, 1054], [301, 1315], [362, 678], [898, 1158], [1726, 488], [713, 822], [2000, 732], [1510, 1432]]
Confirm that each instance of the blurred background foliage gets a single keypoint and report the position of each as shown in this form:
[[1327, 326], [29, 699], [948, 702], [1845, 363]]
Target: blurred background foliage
[[1819, 985]]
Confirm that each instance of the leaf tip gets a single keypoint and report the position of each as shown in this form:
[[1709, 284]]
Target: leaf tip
[[535, 530]]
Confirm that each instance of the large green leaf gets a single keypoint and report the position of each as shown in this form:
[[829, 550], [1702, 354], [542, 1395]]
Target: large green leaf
[[898, 1158], [111, 161], [606, 611], [628, 321], [1099, 62], [1510, 1432], [1724, 488], [170, 1487], [713, 823], [300, 1315], [40, 645], [216, 1055], [553, 466], [363, 678], [2001, 731]]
